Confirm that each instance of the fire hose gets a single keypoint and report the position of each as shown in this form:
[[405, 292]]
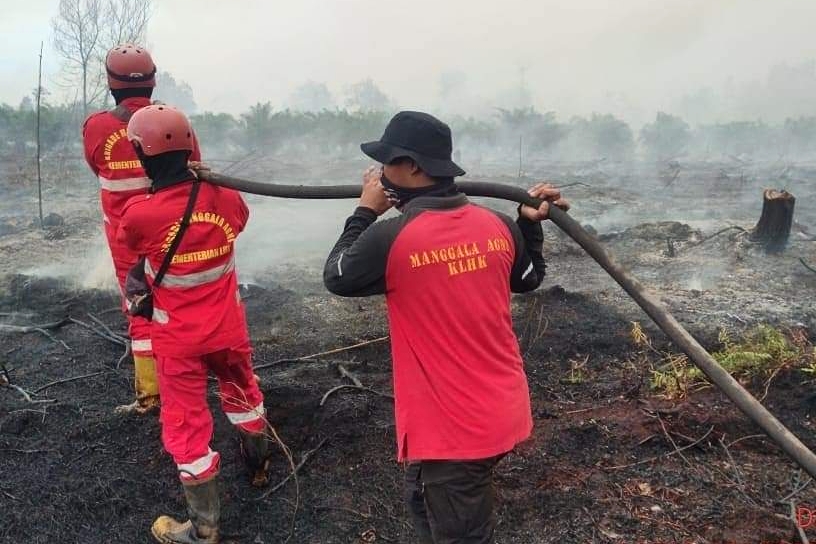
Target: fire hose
[[749, 405]]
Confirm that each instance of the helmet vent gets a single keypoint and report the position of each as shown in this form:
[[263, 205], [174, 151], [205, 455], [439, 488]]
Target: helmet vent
[[168, 136]]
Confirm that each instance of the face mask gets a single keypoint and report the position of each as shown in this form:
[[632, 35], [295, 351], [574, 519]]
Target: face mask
[[400, 196], [165, 169], [392, 191]]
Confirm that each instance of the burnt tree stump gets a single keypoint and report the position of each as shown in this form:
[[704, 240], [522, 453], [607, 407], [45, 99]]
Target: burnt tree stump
[[774, 225]]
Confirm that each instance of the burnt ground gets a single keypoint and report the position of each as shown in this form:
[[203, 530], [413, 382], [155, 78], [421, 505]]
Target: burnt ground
[[602, 465]]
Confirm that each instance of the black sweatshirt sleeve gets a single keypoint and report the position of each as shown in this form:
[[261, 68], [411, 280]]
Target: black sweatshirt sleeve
[[529, 267], [356, 265]]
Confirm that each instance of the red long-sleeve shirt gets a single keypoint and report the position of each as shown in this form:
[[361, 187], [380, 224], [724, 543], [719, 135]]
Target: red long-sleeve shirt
[[113, 160], [197, 308]]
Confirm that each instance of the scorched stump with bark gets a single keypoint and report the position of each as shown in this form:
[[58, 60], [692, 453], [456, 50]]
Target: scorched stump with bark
[[774, 225]]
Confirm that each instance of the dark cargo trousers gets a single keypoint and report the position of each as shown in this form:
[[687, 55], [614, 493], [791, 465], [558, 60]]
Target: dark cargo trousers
[[451, 502]]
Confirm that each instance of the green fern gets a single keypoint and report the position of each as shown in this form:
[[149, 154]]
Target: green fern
[[760, 352]]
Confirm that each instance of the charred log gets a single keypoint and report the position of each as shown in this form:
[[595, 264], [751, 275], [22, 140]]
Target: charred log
[[774, 225]]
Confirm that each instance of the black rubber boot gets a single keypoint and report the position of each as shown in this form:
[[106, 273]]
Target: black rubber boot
[[204, 509], [256, 449]]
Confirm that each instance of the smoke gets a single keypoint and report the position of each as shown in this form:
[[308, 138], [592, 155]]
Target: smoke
[[289, 233], [532, 90], [705, 278], [90, 267]]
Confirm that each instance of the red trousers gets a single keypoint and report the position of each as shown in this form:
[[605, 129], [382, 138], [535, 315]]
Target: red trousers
[[123, 261], [187, 425]]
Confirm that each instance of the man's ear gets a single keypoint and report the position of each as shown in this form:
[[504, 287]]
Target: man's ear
[[415, 169]]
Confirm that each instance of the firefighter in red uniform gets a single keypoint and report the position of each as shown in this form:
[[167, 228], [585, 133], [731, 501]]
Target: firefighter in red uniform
[[447, 268], [131, 79], [198, 322]]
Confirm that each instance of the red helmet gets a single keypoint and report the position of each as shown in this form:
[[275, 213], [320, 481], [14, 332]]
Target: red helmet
[[160, 128], [130, 66]]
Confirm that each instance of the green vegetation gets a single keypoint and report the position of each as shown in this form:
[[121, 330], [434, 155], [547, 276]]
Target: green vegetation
[[761, 353], [333, 132]]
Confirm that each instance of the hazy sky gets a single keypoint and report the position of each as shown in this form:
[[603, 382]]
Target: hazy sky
[[576, 55]]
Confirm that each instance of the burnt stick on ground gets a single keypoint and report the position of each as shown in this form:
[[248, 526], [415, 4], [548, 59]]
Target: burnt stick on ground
[[106, 328], [42, 329], [115, 339], [355, 387], [67, 380], [303, 460]]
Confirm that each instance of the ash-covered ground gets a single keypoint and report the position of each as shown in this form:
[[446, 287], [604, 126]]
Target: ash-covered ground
[[611, 459]]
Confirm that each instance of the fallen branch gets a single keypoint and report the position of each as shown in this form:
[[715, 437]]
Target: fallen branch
[[66, 380], [26, 395], [671, 440], [582, 410], [651, 459], [303, 461], [102, 334], [768, 384], [711, 237], [740, 482], [346, 374], [340, 509], [17, 388], [106, 328], [42, 329], [280, 362], [9, 495], [355, 387], [5, 381], [321, 354], [347, 348], [33, 328], [124, 356], [738, 440], [25, 452], [796, 491]]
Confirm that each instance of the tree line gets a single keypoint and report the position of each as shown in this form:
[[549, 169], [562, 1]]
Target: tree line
[[507, 133]]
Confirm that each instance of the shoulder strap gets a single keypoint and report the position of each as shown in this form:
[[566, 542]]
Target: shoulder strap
[[185, 221], [121, 113]]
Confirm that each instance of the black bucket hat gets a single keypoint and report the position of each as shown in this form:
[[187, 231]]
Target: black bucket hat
[[420, 137]]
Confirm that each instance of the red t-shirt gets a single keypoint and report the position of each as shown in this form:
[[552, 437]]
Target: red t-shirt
[[456, 358], [448, 268], [197, 307]]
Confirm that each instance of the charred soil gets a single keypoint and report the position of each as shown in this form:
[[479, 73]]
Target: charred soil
[[610, 460]]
